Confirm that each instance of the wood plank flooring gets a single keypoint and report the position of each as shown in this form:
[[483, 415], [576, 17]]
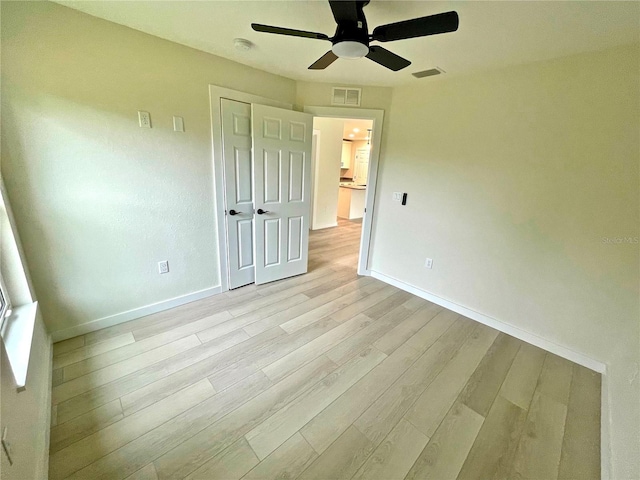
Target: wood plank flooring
[[323, 376]]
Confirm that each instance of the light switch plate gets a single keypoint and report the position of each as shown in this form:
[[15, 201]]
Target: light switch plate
[[178, 124], [397, 196]]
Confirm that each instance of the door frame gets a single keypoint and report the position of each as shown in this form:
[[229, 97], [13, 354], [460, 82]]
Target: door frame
[[315, 153], [217, 93], [372, 178]]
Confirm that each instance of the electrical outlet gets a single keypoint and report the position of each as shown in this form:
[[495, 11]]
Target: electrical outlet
[[144, 119], [6, 446], [428, 263], [163, 267], [397, 196]]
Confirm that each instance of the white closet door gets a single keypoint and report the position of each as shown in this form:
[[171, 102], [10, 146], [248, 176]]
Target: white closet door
[[238, 170], [282, 178]]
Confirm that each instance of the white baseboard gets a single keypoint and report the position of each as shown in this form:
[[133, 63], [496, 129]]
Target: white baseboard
[[499, 325], [122, 317], [323, 226]]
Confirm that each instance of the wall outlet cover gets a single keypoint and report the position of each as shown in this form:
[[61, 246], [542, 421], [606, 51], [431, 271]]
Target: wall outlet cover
[[163, 266], [428, 263], [144, 119]]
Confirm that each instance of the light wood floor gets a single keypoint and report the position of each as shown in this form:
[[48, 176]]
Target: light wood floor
[[323, 376]]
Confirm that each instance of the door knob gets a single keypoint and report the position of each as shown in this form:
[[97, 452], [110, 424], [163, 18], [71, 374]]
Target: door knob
[[261, 211], [233, 212]]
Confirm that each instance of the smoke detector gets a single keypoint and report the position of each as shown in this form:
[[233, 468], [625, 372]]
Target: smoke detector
[[242, 44]]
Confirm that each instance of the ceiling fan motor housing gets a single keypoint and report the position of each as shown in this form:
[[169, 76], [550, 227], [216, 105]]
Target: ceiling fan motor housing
[[351, 39]]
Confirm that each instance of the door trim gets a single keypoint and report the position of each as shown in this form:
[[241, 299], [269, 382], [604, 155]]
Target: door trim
[[367, 223], [216, 93], [315, 152]]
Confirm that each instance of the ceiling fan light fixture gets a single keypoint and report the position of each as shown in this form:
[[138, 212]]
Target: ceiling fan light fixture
[[350, 49]]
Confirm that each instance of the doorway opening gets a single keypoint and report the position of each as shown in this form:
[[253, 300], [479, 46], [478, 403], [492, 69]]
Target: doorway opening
[[344, 156], [341, 152]]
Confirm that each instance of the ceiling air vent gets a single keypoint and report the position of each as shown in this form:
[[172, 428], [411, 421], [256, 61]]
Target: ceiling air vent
[[428, 73], [349, 97]]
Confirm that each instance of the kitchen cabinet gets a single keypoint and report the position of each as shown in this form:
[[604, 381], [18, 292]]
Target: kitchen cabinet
[[347, 153], [351, 202]]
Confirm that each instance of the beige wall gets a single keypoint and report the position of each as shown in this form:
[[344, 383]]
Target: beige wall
[[98, 200], [514, 178], [327, 172]]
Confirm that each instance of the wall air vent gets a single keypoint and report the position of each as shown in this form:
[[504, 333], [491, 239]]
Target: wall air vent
[[348, 97], [428, 73]]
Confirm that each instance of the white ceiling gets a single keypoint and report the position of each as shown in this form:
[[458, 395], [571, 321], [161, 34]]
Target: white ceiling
[[350, 125], [491, 34]]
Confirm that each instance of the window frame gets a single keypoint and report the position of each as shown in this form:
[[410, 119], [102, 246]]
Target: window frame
[[5, 303]]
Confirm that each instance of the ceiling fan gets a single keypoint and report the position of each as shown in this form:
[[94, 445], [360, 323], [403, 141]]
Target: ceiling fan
[[352, 38]]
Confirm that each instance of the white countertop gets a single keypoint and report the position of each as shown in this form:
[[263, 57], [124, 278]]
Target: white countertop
[[353, 186]]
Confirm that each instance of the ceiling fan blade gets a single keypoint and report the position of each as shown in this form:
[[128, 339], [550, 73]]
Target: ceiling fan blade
[[387, 59], [418, 27], [344, 10], [288, 31], [324, 61]]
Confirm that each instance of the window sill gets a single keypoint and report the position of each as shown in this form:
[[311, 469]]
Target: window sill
[[17, 335]]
